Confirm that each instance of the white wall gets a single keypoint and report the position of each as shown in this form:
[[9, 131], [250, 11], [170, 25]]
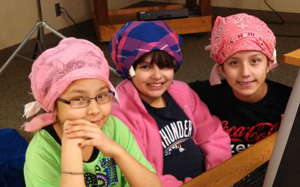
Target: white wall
[[289, 6], [18, 17]]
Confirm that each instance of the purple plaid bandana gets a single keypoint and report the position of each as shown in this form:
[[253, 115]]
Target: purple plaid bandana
[[137, 38]]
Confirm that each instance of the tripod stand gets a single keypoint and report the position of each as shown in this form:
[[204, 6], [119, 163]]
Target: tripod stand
[[40, 25]]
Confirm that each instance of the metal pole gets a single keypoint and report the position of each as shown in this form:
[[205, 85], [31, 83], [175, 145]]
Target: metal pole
[[39, 40], [20, 47], [41, 28]]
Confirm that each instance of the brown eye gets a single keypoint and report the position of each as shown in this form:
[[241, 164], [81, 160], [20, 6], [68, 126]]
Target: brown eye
[[255, 61], [234, 63], [79, 102], [103, 95], [103, 98], [78, 99]]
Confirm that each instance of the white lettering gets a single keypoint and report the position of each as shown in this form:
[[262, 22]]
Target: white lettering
[[175, 131], [232, 150], [180, 129], [190, 129], [164, 137], [240, 147], [170, 133], [186, 128]]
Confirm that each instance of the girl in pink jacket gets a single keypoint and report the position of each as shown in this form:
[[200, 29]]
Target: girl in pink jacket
[[172, 126]]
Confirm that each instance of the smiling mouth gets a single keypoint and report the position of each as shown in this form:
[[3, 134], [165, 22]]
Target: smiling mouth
[[155, 84], [246, 84], [96, 122]]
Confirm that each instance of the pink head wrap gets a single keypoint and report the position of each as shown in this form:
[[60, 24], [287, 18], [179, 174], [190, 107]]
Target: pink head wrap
[[236, 33], [55, 69]]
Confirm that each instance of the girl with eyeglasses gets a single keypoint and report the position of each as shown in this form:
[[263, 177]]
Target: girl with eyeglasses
[[77, 141]]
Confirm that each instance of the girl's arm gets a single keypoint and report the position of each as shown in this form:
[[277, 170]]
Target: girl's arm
[[135, 173], [138, 131], [209, 134], [71, 162]]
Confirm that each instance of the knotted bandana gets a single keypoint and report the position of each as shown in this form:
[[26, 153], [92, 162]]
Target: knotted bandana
[[55, 69], [240, 32], [137, 38]]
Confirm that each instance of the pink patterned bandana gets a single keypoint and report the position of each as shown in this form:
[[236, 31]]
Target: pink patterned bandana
[[55, 69], [240, 32]]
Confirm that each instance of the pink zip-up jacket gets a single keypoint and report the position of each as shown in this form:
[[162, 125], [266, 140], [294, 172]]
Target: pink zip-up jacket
[[208, 132]]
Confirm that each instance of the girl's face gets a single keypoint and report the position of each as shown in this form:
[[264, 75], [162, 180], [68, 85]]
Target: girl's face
[[93, 112], [246, 72], [152, 81]]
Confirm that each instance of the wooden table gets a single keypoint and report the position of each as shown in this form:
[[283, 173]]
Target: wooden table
[[237, 167], [291, 58], [108, 22]]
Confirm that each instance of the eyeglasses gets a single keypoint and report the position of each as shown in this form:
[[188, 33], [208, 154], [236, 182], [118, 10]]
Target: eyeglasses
[[82, 102]]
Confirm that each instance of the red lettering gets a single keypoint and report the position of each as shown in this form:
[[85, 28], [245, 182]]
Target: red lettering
[[249, 134], [260, 131], [233, 131]]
